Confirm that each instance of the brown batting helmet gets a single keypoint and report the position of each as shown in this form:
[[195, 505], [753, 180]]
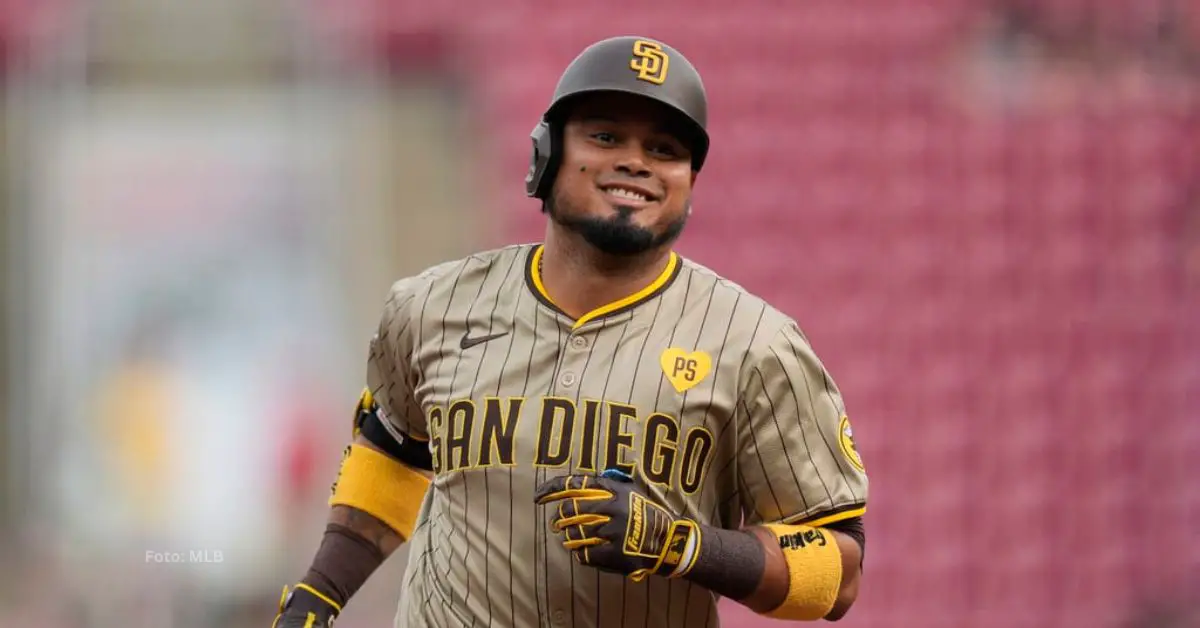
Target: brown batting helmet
[[631, 65]]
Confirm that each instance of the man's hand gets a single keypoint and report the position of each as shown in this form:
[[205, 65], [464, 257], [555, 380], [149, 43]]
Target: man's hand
[[304, 607], [608, 524]]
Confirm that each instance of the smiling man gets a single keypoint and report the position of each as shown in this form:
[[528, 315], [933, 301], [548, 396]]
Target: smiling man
[[616, 435]]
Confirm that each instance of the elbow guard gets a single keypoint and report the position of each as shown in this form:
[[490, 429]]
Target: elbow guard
[[814, 563], [411, 451]]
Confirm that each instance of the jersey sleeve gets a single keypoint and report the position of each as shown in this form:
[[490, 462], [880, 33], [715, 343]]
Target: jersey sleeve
[[390, 374], [797, 460]]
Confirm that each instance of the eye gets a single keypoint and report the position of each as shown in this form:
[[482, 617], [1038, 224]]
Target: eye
[[665, 150], [668, 150], [604, 137]]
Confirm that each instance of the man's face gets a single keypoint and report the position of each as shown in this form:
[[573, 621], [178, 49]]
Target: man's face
[[626, 178]]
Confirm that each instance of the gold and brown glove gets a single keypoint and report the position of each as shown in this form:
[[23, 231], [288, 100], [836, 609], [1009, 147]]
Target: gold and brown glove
[[304, 607], [608, 524]]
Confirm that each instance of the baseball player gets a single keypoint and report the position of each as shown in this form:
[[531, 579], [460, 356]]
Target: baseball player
[[593, 431]]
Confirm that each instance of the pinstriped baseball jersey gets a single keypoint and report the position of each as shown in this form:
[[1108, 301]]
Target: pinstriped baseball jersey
[[713, 400]]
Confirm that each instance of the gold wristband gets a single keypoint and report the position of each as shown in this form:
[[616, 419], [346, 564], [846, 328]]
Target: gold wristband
[[380, 486], [814, 563]]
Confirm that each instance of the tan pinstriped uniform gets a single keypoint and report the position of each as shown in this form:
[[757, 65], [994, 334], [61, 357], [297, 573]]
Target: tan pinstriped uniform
[[711, 398]]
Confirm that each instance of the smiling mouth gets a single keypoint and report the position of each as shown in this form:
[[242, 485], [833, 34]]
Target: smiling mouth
[[626, 194]]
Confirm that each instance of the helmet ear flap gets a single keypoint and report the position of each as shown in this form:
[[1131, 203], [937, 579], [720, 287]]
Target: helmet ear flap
[[543, 162]]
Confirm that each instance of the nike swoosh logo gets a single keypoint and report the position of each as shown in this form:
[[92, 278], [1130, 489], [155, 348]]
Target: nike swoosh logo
[[468, 342]]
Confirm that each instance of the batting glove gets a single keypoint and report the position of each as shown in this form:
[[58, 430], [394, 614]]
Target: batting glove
[[607, 523], [305, 607]]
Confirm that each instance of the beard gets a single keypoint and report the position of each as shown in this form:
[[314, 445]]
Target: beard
[[618, 235]]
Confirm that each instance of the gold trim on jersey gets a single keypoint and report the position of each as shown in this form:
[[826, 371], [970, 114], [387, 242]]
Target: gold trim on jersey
[[660, 283], [856, 510]]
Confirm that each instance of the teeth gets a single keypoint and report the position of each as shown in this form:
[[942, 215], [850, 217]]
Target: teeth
[[623, 193]]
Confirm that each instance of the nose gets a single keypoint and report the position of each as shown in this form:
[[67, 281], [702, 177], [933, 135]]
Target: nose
[[632, 162]]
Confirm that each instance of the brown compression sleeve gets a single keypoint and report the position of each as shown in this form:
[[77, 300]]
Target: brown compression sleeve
[[343, 563], [730, 562]]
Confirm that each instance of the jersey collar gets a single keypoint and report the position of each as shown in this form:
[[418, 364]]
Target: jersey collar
[[533, 279]]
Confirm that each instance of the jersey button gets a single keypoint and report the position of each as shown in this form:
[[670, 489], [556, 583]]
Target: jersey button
[[579, 342], [567, 379], [560, 617]]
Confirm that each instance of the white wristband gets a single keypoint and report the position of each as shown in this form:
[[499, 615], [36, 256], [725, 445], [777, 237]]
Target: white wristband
[[689, 553]]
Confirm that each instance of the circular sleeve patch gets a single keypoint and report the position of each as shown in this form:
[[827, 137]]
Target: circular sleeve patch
[[846, 440]]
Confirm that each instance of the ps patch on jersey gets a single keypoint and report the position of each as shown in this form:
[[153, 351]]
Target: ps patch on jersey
[[846, 440], [685, 370]]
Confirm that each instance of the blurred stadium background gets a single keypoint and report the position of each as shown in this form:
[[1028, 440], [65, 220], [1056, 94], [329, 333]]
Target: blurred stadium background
[[986, 214]]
